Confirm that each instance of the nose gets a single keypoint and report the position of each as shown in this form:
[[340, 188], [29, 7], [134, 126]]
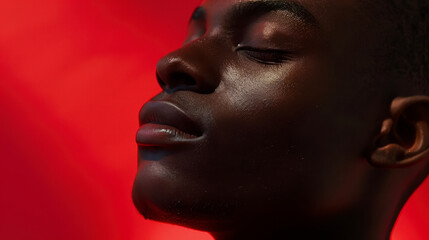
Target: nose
[[189, 68]]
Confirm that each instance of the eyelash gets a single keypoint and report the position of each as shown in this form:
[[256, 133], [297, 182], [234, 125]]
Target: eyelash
[[265, 56]]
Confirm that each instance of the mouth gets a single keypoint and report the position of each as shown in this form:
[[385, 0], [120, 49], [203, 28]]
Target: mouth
[[164, 124]]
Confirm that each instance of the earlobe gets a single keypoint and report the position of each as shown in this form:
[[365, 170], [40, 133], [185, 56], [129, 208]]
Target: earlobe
[[404, 137]]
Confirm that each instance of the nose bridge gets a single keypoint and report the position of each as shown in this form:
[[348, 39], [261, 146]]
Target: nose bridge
[[191, 67]]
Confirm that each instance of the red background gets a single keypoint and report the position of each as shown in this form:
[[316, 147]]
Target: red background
[[73, 75]]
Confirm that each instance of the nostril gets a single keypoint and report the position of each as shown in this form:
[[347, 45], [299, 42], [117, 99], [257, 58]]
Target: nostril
[[161, 83], [181, 78], [179, 81]]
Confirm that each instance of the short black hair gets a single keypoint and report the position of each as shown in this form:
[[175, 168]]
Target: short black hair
[[408, 49]]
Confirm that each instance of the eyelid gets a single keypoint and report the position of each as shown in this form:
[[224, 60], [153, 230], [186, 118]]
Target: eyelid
[[261, 49], [278, 56]]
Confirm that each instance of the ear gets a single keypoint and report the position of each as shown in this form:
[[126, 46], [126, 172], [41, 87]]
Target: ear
[[404, 136]]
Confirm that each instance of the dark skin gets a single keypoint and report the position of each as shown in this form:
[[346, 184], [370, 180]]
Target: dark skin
[[270, 125]]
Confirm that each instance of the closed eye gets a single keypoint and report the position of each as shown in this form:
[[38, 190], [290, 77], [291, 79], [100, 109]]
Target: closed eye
[[265, 56]]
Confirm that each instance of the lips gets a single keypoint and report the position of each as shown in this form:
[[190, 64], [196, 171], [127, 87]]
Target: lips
[[163, 123]]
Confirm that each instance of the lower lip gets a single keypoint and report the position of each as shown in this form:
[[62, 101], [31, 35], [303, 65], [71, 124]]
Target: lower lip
[[151, 134]]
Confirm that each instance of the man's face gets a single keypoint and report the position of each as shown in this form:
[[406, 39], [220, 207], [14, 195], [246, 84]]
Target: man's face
[[274, 112]]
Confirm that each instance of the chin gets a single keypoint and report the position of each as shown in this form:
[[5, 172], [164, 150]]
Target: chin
[[153, 198], [161, 196]]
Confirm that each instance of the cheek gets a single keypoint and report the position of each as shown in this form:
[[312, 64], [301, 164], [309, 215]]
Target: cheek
[[264, 118], [249, 88], [263, 100]]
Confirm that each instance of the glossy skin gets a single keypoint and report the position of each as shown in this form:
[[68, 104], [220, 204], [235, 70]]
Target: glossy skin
[[285, 111]]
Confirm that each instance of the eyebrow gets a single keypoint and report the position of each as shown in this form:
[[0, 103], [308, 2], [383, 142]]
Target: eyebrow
[[256, 8]]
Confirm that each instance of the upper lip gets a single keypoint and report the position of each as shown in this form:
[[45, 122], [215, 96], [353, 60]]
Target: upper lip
[[166, 113]]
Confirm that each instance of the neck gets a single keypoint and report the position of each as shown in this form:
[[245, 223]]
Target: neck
[[360, 224], [371, 217]]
